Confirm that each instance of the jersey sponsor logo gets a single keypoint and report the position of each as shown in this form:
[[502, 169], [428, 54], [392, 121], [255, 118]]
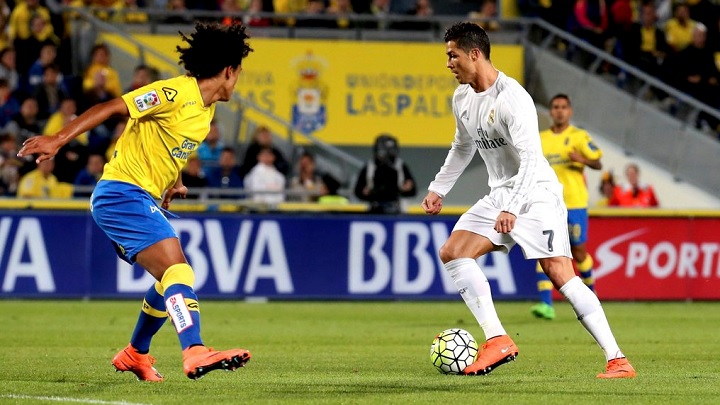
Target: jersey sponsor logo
[[147, 101], [485, 142], [169, 93]]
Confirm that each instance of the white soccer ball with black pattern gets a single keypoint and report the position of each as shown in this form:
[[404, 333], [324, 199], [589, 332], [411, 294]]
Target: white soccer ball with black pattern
[[453, 350]]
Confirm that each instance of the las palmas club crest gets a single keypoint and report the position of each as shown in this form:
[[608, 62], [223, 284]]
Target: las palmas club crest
[[309, 112]]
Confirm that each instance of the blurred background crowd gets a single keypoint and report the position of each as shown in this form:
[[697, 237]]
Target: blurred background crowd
[[41, 90]]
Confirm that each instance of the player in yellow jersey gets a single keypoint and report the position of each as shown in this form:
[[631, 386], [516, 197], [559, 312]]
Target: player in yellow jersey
[[168, 120], [569, 150]]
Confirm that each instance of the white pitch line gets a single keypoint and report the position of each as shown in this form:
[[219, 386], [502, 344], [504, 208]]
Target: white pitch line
[[76, 400]]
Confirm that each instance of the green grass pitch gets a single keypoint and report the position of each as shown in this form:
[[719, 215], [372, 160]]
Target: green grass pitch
[[357, 353]]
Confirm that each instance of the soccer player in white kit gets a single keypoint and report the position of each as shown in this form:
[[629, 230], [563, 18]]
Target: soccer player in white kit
[[496, 116]]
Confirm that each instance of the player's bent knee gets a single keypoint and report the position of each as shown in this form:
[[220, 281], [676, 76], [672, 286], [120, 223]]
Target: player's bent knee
[[180, 273], [449, 252]]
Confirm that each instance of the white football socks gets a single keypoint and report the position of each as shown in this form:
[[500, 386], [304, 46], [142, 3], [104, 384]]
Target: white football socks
[[591, 315], [474, 288]]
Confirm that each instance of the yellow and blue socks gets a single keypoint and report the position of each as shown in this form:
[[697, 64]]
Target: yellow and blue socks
[[181, 303], [151, 319], [585, 268], [544, 286]]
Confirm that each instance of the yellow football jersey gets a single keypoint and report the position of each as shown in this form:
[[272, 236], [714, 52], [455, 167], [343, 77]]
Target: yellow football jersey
[[556, 148], [168, 121]]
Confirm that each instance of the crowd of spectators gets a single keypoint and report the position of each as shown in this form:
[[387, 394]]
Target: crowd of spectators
[[676, 41]]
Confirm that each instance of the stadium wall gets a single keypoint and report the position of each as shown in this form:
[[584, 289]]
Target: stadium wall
[[63, 254]]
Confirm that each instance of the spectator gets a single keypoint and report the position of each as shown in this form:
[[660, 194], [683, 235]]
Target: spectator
[[679, 29], [226, 175], [645, 45], [46, 57], [89, 175], [118, 130], [8, 70], [342, 9], [381, 10], [59, 119], [418, 21], [592, 21], [264, 181], [251, 19], [10, 165], [41, 183], [72, 157], [50, 92], [262, 137], [9, 105], [178, 13], [231, 9], [634, 193], [311, 16], [193, 177], [4, 15], [695, 71], [209, 151], [28, 49], [128, 12], [307, 184], [25, 123], [385, 178], [330, 192], [19, 26], [607, 189], [101, 76], [487, 16], [142, 76]]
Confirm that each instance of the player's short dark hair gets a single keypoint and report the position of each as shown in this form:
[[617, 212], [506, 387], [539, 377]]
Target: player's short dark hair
[[561, 96], [469, 36], [212, 48]]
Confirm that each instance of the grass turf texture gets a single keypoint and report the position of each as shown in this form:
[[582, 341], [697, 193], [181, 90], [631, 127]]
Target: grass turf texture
[[358, 352]]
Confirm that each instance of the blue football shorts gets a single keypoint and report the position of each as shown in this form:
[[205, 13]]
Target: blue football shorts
[[130, 217], [578, 226]]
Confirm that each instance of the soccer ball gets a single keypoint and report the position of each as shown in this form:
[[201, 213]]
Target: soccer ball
[[453, 350]]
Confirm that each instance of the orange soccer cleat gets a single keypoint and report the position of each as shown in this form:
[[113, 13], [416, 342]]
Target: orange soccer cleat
[[199, 360], [618, 368], [128, 359], [495, 352]]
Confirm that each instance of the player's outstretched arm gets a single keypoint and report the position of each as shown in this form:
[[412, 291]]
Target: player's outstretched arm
[[47, 146], [432, 203]]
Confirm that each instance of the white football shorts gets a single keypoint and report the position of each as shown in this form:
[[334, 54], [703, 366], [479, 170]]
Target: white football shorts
[[540, 228]]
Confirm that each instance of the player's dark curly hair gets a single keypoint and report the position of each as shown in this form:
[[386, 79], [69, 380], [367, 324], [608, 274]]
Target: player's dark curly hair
[[212, 48], [469, 36]]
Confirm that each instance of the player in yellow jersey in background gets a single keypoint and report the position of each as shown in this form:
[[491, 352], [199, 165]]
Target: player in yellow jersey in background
[[168, 121], [569, 150]]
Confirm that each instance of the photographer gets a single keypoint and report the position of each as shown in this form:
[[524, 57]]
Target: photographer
[[385, 178]]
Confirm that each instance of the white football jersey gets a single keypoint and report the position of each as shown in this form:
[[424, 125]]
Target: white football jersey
[[501, 124]]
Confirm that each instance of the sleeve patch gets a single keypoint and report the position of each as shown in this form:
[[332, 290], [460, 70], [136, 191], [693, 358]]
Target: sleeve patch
[[147, 101]]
